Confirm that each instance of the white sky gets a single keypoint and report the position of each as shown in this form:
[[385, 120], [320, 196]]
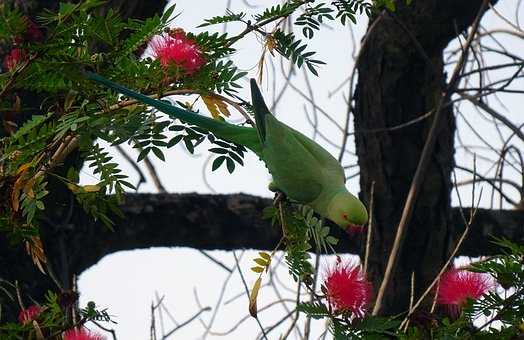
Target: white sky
[[127, 282]]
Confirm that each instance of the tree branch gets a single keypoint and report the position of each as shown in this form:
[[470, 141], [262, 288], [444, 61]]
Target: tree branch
[[235, 221]]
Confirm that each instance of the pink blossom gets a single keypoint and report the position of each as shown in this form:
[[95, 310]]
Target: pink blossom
[[177, 49], [29, 314], [347, 289], [13, 58], [82, 334], [456, 286]]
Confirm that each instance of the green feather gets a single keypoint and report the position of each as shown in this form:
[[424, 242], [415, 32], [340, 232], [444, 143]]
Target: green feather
[[260, 108]]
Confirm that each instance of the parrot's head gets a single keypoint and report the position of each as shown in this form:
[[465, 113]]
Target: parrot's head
[[347, 211]]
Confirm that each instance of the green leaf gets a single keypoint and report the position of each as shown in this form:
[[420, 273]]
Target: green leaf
[[236, 157], [174, 141], [40, 205], [314, 310], [167, 13], [158, 153], [143, 154], [229, 17], [331, 240], [219, 151], [390, 5], [189, 145], [230, 165], [218, 162]]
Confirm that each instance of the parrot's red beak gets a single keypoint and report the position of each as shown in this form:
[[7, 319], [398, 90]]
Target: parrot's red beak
[[353, 229]]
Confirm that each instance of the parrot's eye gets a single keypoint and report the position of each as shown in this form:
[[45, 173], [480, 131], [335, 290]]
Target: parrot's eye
[[345, 216]]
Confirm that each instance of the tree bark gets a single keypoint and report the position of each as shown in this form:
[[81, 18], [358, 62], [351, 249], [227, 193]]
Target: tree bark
[[401, 77]]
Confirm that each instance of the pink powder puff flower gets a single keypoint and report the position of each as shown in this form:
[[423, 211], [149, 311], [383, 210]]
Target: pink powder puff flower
[[29, 314], [13, 58], [82, 334], [347, 289], [177, 49], [456, 286]]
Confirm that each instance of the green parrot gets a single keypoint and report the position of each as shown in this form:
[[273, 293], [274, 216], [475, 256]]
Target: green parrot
[[301, 169]]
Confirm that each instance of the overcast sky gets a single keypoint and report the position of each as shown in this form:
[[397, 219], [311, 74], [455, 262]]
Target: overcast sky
[[128, 282]]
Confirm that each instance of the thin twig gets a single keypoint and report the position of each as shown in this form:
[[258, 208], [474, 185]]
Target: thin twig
[[219, 263], [370, 227], [131, 161], [154, 175], [188, 321]]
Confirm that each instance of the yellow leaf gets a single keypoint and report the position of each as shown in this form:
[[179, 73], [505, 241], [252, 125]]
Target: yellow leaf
[[216, 106], [257, 269], [264, 255], [271, 44], [91, 188], [35, 249], [253, 298], [15, 194], [19, 185], [22, 168], [38, 331], [73, 187], [261, 262], [131, 108], [28, 188]]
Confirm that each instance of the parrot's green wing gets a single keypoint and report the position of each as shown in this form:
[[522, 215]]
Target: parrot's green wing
[[295, 171], [300, 167], [331, 167]]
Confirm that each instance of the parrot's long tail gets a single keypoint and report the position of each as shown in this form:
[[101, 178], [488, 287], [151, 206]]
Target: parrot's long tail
[[237, 134], [260, 108]]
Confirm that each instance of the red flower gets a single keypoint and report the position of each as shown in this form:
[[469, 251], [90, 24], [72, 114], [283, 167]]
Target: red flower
[[347, 289], [29, 314], [82, 334], [177, 49], [456, 286], [13, 58]]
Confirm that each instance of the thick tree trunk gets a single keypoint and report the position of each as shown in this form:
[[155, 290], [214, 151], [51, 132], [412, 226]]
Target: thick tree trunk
[[398, 82]]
